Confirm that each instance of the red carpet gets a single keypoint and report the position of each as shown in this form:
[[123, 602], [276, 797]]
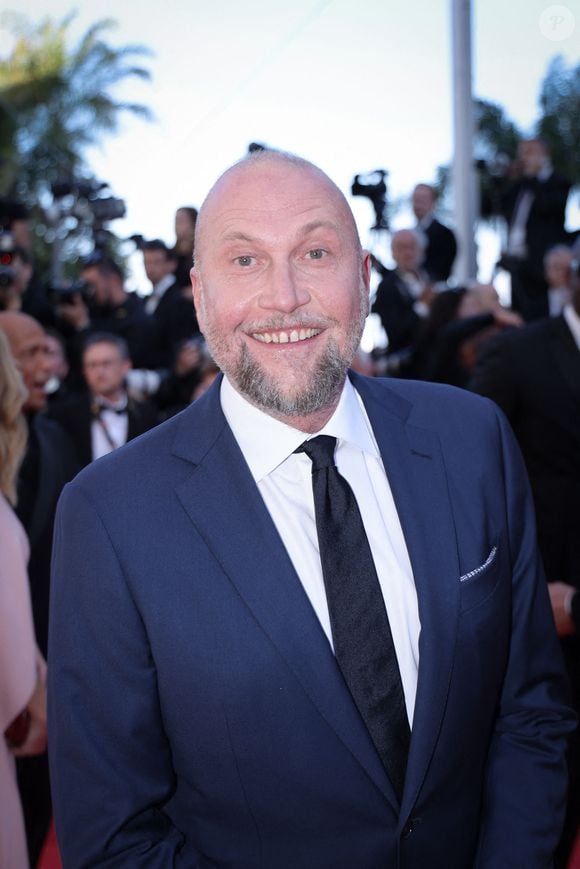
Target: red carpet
[[49, 859]]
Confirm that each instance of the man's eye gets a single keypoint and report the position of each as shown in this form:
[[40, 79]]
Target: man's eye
[[317, 253], [244, 260]]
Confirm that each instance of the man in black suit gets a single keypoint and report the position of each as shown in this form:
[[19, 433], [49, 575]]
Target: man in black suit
[[440, 243], [106, 307], [534, 206], [170, 305], [104, 417], [534, 376], [404, 294], [50, 462]]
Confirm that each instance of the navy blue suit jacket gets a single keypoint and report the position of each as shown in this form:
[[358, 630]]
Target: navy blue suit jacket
[[197, 716]]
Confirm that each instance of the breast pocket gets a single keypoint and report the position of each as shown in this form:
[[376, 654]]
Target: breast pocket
[[480, 582]]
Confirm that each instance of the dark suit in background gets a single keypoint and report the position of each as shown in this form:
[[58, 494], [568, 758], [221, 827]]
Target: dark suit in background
[[175, 322], [544, 228], [76, 416], [533, 374], [440, 251], [395, 305]]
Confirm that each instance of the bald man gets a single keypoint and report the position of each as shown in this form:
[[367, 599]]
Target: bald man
[[50, 462], [404, 295], [201, 650]]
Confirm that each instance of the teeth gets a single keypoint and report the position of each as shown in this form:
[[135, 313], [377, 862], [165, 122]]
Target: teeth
[[284, 337]]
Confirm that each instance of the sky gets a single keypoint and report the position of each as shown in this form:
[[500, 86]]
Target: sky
[[352, 86]]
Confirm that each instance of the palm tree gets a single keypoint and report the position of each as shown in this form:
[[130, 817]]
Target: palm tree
[[55, 102]]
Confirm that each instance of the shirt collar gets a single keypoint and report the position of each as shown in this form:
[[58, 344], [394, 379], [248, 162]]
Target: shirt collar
[[163, 285], [99, 403], [266, 442], [573, 321]]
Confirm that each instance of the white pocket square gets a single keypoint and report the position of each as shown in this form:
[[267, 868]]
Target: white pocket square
[[481, 567]]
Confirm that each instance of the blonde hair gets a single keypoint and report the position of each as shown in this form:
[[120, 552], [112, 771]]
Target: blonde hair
[[13, 431]]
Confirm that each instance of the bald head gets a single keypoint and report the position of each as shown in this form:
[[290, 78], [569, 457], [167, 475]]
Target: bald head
[[407, 249], [270, 166], [28, 345], [16, 325]]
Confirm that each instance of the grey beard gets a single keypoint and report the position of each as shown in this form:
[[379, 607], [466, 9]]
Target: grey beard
[[254, 382]]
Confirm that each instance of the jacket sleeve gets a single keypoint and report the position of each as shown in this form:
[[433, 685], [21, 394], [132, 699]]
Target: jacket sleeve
[[525, 785], [110, 761]]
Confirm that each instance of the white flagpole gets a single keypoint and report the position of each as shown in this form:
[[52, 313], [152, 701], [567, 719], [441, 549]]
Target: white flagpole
[[464, 180]]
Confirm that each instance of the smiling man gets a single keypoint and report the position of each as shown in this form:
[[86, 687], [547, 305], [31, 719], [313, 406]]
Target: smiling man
[[303, 623]]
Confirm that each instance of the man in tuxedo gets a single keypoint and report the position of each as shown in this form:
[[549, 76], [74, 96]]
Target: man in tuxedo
[[404, 294], [440, 243], [533, 374], [302, 623], [534, 206], [104, 417]]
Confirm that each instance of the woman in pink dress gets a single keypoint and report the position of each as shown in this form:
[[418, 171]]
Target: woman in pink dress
[[22, 669]]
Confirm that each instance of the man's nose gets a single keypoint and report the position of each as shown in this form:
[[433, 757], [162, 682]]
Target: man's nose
[[45, 362], [284, 289]]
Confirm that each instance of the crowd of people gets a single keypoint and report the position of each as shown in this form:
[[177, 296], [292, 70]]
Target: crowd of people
[[88, 367]]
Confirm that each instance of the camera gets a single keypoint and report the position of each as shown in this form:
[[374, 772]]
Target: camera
[[7, 276], [66, 292], [86, 195], [373, 186]]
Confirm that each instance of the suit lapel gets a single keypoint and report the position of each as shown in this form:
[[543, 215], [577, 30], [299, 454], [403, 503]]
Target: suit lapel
[[227, 509], [416, 474]]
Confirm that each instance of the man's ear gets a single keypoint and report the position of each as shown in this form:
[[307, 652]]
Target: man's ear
[[196, 291], [366, 269]]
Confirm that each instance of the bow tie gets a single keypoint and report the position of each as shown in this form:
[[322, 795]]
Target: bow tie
[[99, 406]]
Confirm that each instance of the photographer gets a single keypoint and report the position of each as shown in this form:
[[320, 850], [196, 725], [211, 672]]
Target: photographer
[[100, 303], [533, 204]]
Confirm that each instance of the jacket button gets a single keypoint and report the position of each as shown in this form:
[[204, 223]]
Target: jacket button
[[408, 829]]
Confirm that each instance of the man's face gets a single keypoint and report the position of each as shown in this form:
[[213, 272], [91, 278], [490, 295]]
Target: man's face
[[406, 250], [533, 155], [100, 285], [422, 201], [559, 268], [57, 359], [157, 265], [28, 345], [22, 273], [281, 287], [105, 369]]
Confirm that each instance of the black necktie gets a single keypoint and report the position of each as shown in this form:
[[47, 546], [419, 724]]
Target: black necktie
[[363, 644]]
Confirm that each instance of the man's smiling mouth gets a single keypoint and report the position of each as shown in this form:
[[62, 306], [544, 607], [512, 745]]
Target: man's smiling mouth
[[280, 337]]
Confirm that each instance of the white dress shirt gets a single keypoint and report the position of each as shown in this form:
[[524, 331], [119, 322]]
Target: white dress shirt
[[158, 292], [284, 481], [110, 429]]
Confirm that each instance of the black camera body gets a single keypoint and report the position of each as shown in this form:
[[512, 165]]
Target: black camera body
[[374, 187], [7, 276], [66, 292]]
